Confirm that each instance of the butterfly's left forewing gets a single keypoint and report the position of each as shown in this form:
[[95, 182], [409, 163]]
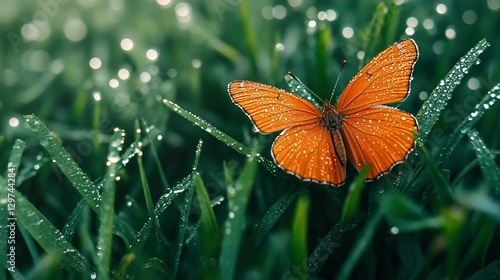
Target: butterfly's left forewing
[[272, 109]]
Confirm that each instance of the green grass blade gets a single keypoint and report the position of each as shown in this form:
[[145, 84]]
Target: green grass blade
[[4, 232], [50, 238], [15, 157], [275, 59], [370, 38], [31, 244], [453, 225], [79, 179], [31, 167], [322, 55], [487, 163], [248, 33], [163, 203], [238, 196], [299, 230], [107, 211], [410, 252], [8, 203], [188, 198], [68, 166], [155, 155], [72, 222], [360, 246], [299, 89], [428, 115], [160, 267], [440, 182], [483, 230], [221, 136], [404, 215], [37, 88], [391, 24], [480, 201], [121, 268], [351, 205], [145, 186], [325, 248], [491, 271], [274, 213], [208, 233], [488, 101]]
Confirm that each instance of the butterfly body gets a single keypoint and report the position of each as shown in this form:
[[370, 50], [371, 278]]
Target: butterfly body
[[315, 144], [331, 120]]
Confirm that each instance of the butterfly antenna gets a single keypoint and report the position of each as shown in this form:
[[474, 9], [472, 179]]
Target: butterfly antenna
[[302, 84], [338, 78]]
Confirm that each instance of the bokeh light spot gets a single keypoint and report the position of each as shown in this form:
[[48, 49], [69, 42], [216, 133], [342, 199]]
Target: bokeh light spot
[[493, 4], [473, 83], [13, 122], [331, 15], [95, 63], [423, 95], [196, 63], [10, 77], [438, 47], [267, 12], [145, 77], [441, 9], [30, 32], [450, 33], [279, 12], [75, 30], [412, 22], [322, 15], [469, 17], [127, 44], [123, 74], [428, 24], [347, 32], [360, 55], [97, 96], [409, 31], [164, 2], [294, 3], [152, 54], [280, 47], [114, 83], [183, 12]]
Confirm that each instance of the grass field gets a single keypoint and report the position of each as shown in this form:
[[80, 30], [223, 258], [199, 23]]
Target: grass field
[[123, 157]]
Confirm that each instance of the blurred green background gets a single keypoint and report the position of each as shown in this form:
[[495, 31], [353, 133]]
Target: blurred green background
[[86, 67]]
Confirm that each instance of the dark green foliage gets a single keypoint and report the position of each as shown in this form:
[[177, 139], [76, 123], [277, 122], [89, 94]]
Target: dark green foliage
[[140, 167]]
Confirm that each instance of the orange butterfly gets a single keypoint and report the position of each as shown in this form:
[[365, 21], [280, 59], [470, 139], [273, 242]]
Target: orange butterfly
[[314, 145]]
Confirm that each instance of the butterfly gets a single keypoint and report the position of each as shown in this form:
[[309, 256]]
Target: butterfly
[[315, 144]]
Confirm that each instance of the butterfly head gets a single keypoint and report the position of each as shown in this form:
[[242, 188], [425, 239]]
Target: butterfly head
[[330, 118]]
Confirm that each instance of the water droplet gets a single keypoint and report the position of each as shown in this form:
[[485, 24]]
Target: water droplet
[[394, 230]]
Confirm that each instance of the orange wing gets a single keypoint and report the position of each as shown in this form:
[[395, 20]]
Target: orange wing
[[383, 80], [307, 152], [272, 109], [380, 136]]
